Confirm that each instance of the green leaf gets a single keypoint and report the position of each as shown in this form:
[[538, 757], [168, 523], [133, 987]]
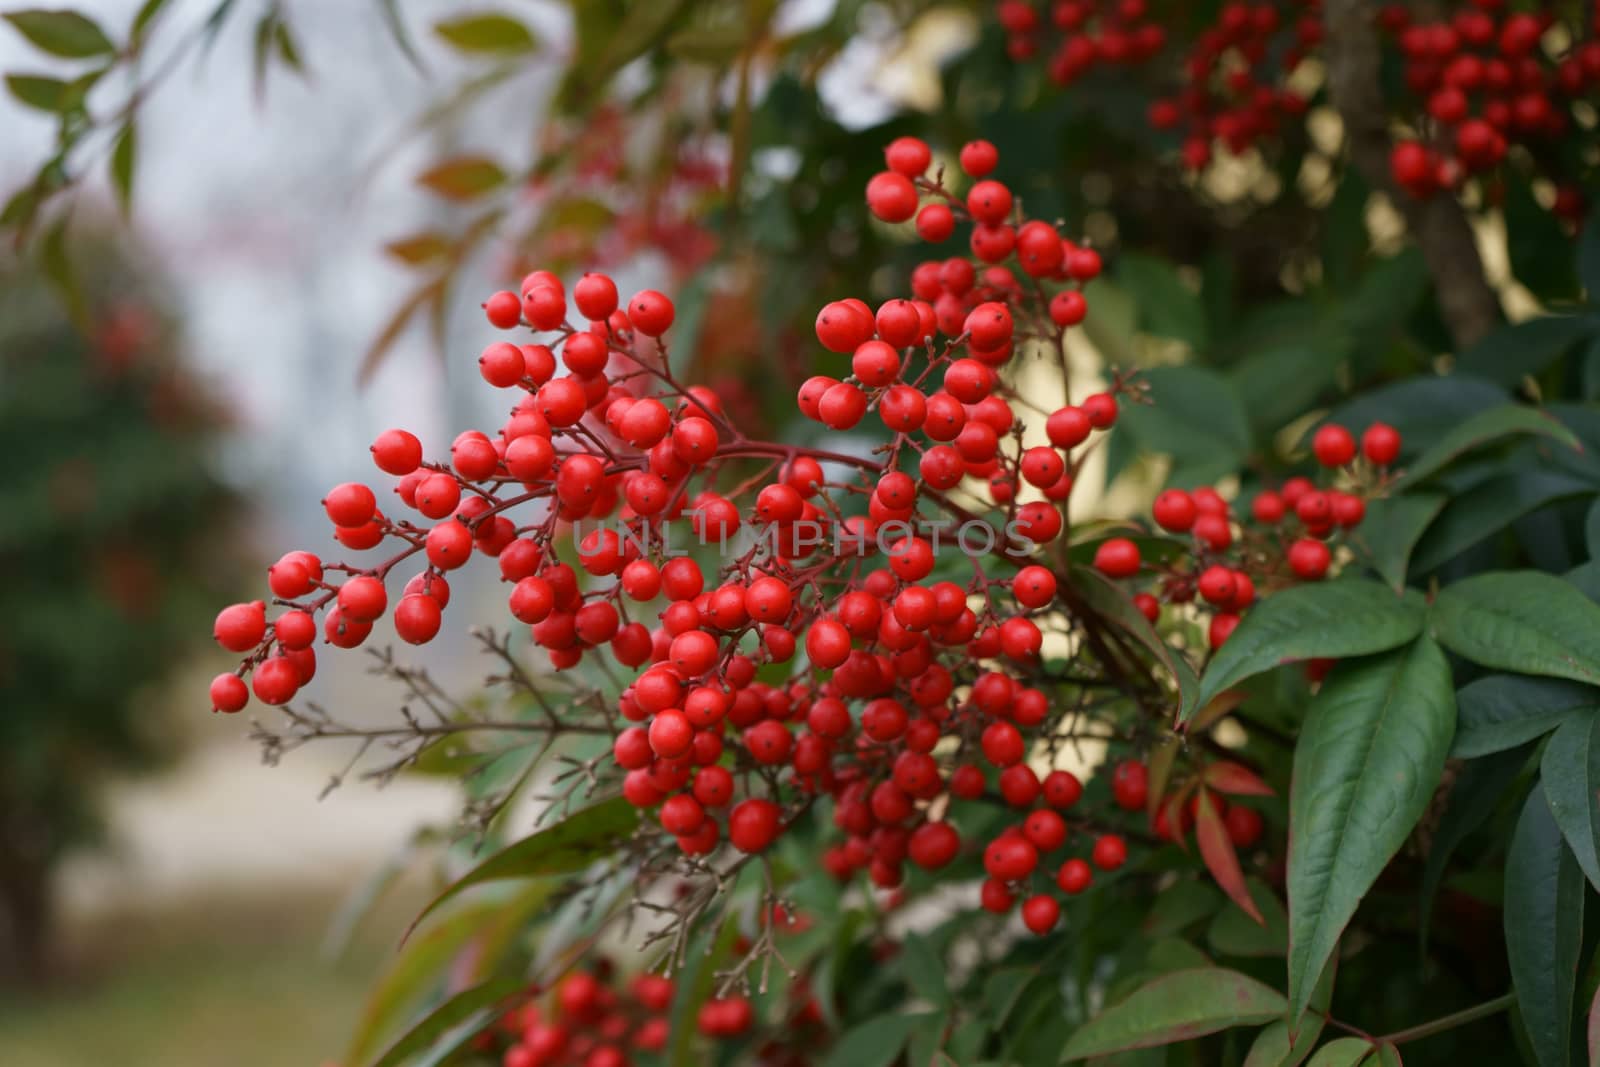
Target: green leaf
[[123, 157], [1474, 796], [463, 178], [1345, 1052], [1113, 603], [422, 964], [1501, 711], [1176, 1007], [148, 12], [1520, 621], [63, 275], [1198, 419], [924, 969], [1233, 933], [1511, 352], [1347, 617], [1490, 506], [1387, 1055], [1570, 771], [67, 34], [1274, 1047], [1167, 307], [1544, 929], [464, 1006], [1484, 429], [1369, 756], [1591, 530], [563, 848], [1592, 1032], [38, 91], [496, 33], [1393, 527], [875, 1043]]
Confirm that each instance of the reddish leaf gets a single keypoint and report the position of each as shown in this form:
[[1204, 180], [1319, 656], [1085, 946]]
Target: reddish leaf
[[1159, 765], [1229, 777], [1221, 859]]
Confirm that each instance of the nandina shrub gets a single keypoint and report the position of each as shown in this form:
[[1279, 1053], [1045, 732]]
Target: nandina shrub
[[857, 732]]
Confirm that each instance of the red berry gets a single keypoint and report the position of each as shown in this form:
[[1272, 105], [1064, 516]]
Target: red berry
[[240, 627], [1074, 876], [1333, 446], [1380, 444], [908, 155], [651, 313], [1040, 913], [229, 693], [1109, 852], [397, 452], [891, 197], [1309, 559], [596, 296], [1101, 408], [1175, 510], [1130, 785], [1117, 558], [754, 824], [275, 681], [978, 158], [349, 505]]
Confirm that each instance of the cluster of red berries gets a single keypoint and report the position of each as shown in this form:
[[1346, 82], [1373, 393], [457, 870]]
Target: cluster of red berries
[[591, 1020], [1287, 539], [1490, 78], [915, 691], [1235, 71]]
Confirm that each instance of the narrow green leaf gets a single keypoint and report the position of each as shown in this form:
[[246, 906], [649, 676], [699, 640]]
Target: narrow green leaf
[[563, 848], [425, 247], [875, 1043], [1544, 929], [1369, 756], [463, 178], [1393, 527], [68, 34], [1512, 352], [398, 32], [1347, 617], [1591, 530], [1570, 771], [1473, 798], [495, 33], [148, 12], [1501, 711], [465, 1005], [1167, 307], [1345, 1052], [38, 91], [58, 267], [1491, 505], [1520, 621], [1176, 1007], [924, 970], [1487, 428], [1233, 933], [1111, 601], [419, 969], [124, 156]]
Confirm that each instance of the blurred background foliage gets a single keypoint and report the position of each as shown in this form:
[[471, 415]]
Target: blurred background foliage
[[116, 537]]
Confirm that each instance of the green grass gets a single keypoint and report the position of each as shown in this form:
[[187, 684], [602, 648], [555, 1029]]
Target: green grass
[[202, 983]]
